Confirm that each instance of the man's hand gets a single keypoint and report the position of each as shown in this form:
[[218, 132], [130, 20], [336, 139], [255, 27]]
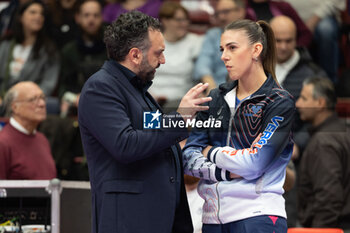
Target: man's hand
[[191, 103]]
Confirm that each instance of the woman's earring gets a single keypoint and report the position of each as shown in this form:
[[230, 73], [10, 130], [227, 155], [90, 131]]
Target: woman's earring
[[255, 59]]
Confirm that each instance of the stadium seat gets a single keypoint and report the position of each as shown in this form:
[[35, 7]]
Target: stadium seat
[[315, 230]]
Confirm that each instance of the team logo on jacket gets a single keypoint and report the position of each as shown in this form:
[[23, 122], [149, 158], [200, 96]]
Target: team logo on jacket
[[151, 120], [254, 110]]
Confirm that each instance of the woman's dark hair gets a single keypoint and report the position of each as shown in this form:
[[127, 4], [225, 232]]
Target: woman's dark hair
[[261, 32], [42, 39], [129, 31]]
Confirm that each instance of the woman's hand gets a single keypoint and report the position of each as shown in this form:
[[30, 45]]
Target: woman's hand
[[206, 150]]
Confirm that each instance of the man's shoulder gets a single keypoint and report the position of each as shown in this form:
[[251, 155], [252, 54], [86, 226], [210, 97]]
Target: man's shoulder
[[8, 135], [105, 75]]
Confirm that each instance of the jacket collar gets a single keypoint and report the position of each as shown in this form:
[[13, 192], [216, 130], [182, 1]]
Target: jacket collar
[[265, 89], [324, 124], [130, 81], [116, 69]]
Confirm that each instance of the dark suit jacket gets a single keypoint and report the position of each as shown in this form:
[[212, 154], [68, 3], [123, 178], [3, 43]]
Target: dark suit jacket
[[132, 170]]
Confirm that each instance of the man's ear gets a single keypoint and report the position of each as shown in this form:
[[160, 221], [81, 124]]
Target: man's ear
[[257, 49], [135, 56], [14, 107], [322, 103]]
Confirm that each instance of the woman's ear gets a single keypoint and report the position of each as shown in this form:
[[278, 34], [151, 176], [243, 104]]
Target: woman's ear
[[257, 49]]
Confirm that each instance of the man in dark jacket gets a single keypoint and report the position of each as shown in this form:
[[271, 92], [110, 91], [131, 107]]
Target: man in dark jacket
[[135, 172], [83, 56], [324, 191]]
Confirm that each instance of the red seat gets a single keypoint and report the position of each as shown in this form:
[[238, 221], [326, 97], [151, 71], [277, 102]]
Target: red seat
[[315, 230], [343, 107]]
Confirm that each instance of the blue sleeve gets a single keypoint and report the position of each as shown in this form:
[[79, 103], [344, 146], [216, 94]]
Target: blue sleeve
[[251, 163], [105, 118]]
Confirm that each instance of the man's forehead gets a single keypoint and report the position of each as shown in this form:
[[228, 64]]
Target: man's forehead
[[27, 89], [156, 38], [308, 89]]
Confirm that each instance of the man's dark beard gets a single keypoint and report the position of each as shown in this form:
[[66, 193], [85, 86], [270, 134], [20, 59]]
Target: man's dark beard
[[146, 71], [146, 76]]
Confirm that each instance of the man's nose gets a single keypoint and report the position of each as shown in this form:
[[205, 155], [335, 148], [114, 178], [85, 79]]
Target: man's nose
[[162, 59]]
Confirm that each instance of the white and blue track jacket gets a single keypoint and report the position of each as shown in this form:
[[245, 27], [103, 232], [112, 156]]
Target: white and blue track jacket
[[261, 166]]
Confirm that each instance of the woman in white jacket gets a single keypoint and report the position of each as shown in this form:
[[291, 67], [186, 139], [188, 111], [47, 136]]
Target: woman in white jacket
[[242, 174]]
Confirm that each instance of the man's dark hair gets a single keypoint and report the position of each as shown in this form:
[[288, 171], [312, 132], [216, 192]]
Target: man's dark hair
[[323, 88], [129, 31]]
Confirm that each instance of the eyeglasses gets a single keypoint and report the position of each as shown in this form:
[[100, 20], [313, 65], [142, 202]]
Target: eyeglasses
[[225, 11], [34, 100]]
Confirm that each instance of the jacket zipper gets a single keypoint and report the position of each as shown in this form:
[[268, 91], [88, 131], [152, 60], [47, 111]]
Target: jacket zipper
[[218, 213], [228, 143]]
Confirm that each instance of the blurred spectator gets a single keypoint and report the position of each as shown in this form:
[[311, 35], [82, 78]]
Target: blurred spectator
[[113, 10], [174, 78], [322, 18], [24, 152], [293, 65], [83, 56], [267, 9], [67, 150], [209, 67], [323, 191], [7, 15], [28, 54], [292, 68], [62, 24], [195, 202], [200, 5]]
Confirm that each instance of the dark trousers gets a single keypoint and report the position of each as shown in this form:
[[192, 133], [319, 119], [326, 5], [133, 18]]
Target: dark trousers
[[259, 224]]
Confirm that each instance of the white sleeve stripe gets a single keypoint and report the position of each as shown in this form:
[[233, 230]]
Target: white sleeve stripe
[[223, 174], [212, 156]]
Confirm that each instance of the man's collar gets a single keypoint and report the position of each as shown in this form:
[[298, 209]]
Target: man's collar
[[292, 61], [19, 127]]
